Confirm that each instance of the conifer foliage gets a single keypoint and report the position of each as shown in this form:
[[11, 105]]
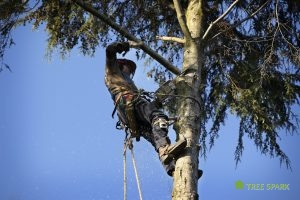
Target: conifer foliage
[[245, 56]]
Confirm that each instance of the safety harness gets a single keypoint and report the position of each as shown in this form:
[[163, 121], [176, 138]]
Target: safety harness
[[125, 107]]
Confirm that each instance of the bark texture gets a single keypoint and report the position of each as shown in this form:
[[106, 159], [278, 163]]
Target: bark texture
[[188, 124]]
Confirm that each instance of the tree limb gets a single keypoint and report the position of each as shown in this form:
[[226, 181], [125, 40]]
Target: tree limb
[[181, 20], [242, 21], [221, 17], [129, 36], [172, 39]]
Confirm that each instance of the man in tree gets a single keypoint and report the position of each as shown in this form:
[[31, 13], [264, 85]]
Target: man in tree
[[142, 117]]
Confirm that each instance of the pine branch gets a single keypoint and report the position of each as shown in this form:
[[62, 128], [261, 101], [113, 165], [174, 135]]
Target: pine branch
[[242, 21], [129, 36], [221, 17]]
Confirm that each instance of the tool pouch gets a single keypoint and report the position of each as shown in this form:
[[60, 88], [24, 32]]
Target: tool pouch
[[131, 120]]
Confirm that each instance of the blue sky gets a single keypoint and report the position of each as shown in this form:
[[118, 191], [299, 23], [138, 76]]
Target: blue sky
[[58, 141]]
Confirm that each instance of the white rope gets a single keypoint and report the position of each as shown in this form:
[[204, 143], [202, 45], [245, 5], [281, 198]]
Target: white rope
[[124, 173], [128, 143], [136, 174]]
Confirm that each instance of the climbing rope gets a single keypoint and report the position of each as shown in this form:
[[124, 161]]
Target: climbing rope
[[124, 174], [128, 144]]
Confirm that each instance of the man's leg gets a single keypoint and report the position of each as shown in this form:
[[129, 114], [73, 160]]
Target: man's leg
[[160, 132], [158, 136]]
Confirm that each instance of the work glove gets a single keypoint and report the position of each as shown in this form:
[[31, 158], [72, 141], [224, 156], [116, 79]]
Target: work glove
[[122, 46]]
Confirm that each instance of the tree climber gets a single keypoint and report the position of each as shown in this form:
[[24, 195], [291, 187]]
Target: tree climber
[[141, 116]]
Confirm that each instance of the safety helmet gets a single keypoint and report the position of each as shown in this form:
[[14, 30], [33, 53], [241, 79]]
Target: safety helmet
[[129, 63]]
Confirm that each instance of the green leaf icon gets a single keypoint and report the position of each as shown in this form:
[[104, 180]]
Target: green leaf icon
[[239, 185]]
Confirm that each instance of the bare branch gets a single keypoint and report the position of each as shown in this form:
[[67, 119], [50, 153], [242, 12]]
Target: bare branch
[[221, 17], [172, 39], [129, 36], [134, 44], [182, 20], [242, 21], [279, 25]]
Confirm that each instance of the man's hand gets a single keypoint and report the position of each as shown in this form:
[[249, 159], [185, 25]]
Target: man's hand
[[134, 44], [125, 46], [122, 46]]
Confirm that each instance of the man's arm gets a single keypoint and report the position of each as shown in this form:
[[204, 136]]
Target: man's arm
[[112, 50]]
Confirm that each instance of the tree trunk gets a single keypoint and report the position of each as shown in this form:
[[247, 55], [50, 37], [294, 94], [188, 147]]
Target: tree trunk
[[188, 109]]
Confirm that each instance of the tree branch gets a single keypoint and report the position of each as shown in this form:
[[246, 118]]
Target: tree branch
[[172, 39], [129, 36], [181, 20], [221, 17], [242, 21]]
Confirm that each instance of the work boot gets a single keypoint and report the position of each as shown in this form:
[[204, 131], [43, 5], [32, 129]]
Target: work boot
[[200, 173], [169, 152], [170, 168]]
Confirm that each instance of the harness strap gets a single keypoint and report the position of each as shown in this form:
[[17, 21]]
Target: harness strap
[[117, 101], [126, 115]]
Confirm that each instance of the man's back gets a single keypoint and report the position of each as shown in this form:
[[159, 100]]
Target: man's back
[[115, 80]]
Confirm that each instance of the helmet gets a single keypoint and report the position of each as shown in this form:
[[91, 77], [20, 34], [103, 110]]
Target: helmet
[[129, 63]]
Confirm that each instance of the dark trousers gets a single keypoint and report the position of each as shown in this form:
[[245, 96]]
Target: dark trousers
[[146, 113]]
